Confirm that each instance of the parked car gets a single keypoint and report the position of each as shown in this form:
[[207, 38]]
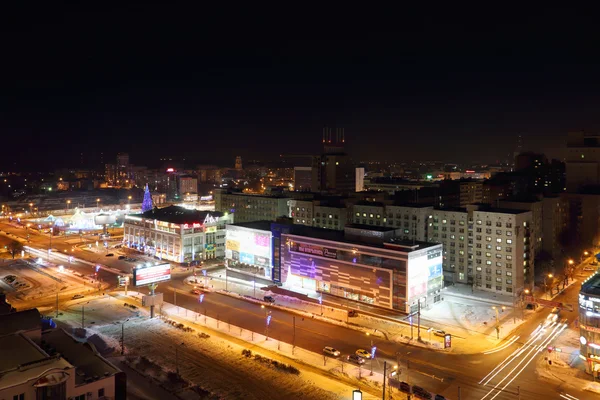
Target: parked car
[[195, 291], [363, 353], [109, 255], [330, 351], [589, 269], [404, 387], [439, 397], [122, 257], [269, 299], [421, 393], [352, 313], [78, 296], [439, 332], [593, 262], [354, 359]]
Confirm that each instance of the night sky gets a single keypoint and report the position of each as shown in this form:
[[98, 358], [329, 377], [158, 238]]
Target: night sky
[[205, 84]]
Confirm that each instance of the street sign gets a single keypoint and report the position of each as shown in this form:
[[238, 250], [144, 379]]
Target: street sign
[[373, 351], [201, 297], [268, 320], [447, 341]]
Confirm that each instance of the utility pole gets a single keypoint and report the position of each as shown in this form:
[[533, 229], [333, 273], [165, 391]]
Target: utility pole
[[82, 315], [459, 393], [294, 338], [384, 376], [122, 338], [56, 304], [419, 320]]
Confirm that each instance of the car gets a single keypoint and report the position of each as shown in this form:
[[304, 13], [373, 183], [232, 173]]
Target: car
[[122, 257], [269, 299], [352, 313], [421, 393], [404, 387], [593, 262], [363, 353], [77, 297], [439, 332], [195, 291], [354, 359], [439, 397], [330, 351], [551, 318], [109, 255], [589, 269]]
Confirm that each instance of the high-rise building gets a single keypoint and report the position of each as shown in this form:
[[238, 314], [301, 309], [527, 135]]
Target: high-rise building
[[302, 179], [249, 207], [238, 163], [582, 161], [333, 171], [360, 179]]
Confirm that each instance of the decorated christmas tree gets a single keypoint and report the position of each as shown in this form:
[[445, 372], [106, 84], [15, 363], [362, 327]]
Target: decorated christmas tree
[[147, 202]]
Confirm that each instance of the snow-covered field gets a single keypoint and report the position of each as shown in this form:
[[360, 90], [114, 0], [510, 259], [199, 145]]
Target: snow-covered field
[[216, 363]]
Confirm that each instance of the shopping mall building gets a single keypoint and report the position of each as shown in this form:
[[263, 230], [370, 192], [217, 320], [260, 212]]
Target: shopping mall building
[[177, 234], [362, 263], [589, 323]]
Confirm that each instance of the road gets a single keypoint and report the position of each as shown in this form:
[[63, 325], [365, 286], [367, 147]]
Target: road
[[503, 374]]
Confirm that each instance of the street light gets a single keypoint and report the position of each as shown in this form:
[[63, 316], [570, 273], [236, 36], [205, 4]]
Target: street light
[[123, 336], [68, 202], [97, 203], [545, 284], [177, 357]]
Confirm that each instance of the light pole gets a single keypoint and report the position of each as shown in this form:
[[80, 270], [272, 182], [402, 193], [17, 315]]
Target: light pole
[[254, 285], [98, 203], [498, 320], [545, 284], [321, 303], [177, 357], [123, 336], [68, 203], [31, 208]]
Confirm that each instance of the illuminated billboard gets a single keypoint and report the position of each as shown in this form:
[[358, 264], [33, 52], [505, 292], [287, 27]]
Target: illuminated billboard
[[146, 275], [425, 273], [248, 246]]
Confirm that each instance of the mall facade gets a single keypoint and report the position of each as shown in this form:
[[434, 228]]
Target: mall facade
[[362, 263], [589, 323], [177, 234]]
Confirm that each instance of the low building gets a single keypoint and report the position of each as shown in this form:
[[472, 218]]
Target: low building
[[57, 366], [589, 324], [177, 234], [362, 263]]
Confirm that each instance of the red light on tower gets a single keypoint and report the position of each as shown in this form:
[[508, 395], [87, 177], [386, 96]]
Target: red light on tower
[[170, 170]]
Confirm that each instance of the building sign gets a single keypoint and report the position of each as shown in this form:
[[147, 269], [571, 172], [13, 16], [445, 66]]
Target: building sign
[[313, 250], [210, 229], [262, 261], [447, 341], [210, 219], [146, 275], [252, 245], [209, 247], [590, 328], [194, 225]]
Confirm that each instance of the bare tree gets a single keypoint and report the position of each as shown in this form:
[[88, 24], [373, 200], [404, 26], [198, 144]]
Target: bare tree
[[14, 248]]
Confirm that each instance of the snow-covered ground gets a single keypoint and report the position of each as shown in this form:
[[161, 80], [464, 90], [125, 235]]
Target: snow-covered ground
[[216, 363], [567, 368]]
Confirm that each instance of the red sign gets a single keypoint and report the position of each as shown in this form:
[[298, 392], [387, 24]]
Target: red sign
[[590, 328], [543, 303], [194, 225]]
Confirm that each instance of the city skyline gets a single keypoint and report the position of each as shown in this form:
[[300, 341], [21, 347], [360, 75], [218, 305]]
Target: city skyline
[[89, 81]]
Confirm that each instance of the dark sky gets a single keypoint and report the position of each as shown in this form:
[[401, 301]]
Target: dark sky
[[207, 84]]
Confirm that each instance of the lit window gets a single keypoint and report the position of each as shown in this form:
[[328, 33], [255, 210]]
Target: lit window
[[509, 241]]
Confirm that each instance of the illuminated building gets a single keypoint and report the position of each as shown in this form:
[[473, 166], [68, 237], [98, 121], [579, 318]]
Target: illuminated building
[[361, 263], [187, 184], [589, 323], [333, 171], [248, 248], [177, 234]]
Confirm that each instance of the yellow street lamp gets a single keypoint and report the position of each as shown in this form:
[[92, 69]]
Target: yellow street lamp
[[571, 262]]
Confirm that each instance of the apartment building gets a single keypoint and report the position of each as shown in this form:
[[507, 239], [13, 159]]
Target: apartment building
[[320, 214], [411, 219], [249, 207], [490, 248]]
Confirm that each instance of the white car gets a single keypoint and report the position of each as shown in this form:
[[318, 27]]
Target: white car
[[330, 351]]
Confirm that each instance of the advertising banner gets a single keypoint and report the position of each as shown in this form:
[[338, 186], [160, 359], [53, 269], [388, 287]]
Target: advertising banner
[[232, 245], [247, 258], [262, 261], [314, 250], [152, 274]]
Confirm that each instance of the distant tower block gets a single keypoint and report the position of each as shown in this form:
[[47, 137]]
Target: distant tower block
[[238, 163]]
